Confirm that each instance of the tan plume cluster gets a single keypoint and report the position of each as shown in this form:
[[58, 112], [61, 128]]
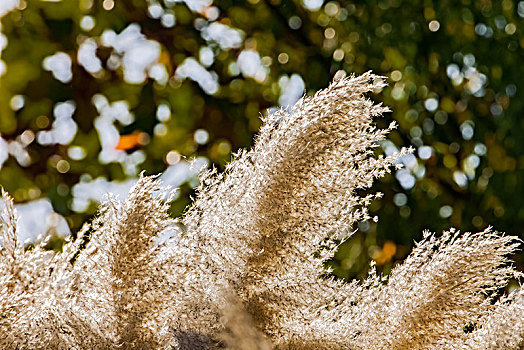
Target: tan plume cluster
[[246, 266]]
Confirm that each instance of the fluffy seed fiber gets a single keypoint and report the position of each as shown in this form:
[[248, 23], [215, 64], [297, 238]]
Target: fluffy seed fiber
[[245, 268]]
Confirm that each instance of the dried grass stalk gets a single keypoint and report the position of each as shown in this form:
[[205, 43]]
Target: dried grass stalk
[[245, 270]]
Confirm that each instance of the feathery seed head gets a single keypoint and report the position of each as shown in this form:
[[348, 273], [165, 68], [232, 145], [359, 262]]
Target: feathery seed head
[[246, 271]]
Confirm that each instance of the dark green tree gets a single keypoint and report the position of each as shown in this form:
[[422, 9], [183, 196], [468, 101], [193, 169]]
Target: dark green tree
[[95, 90]]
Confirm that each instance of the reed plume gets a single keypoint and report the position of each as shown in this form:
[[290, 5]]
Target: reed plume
[[246, 266]]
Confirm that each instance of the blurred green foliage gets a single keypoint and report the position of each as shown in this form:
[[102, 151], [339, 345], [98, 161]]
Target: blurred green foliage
[[455, 89]]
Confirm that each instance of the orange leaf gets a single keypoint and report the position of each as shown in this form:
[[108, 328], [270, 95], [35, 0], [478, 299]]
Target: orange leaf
[[129, 141]]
